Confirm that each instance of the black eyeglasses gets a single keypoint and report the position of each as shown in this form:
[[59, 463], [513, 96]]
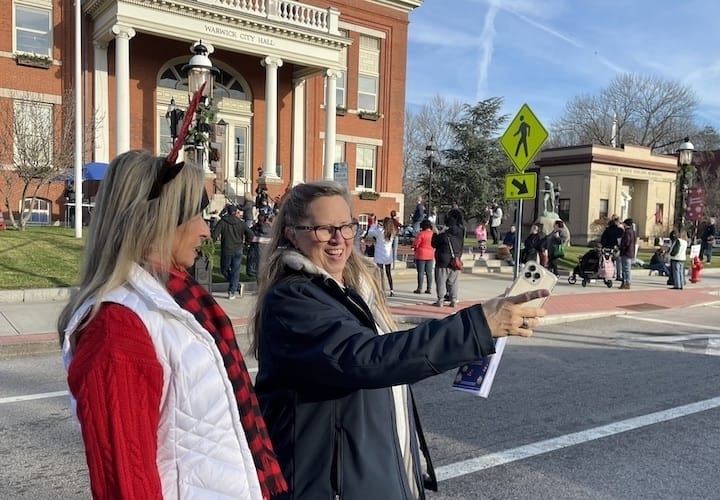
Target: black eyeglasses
[[327, 232]]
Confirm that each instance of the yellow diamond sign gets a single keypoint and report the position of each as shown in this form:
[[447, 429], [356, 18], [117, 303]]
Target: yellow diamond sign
[[523, 138]]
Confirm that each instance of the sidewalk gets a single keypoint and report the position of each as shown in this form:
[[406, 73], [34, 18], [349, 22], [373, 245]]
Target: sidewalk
[[28, 326]]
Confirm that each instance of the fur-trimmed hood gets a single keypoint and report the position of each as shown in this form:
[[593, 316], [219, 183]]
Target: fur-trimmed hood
[[298, 262]]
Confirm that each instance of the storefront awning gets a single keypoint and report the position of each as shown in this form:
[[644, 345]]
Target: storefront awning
[[94, 171]]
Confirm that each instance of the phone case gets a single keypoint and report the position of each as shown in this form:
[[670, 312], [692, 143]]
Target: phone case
[[477, 378], [532, 277]]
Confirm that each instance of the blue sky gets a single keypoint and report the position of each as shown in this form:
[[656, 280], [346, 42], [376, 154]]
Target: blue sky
[[546, 52]]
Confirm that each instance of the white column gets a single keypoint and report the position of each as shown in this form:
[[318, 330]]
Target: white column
[[100, 103], [298, 134], [271, 110], [123, 34], [331, 77]]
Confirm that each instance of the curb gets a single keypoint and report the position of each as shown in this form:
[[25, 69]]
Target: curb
[[28, 345], [36, 295]]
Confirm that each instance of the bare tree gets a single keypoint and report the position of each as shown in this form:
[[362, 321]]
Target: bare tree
[[35, 149], [647, 111], [704, 172], [432, 121]]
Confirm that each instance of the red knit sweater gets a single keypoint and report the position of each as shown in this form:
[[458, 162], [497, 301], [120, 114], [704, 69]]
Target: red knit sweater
[[117, 381]]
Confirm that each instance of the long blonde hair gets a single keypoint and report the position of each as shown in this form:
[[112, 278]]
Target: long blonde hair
[[126, 226], [388, 228], [360, 273]]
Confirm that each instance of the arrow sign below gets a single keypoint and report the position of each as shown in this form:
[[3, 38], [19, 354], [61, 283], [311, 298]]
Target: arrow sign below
[[521, 186]]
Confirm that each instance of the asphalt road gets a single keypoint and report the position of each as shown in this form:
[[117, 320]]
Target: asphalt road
[[613, 408]]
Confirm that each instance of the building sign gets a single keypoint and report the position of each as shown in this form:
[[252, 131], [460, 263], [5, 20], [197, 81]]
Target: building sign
[[242, 36]]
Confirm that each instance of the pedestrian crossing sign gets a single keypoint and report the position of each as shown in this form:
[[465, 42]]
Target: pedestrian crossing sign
[[523, 138]]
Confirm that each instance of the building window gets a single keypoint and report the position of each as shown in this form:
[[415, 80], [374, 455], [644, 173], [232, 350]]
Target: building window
[[362, 223], [226, 84], [564, 209], [240, 153], [341, 81], [604, 207], [365, 167], [339, 151], [40, 210], [368, 74], [33, 125], [659, 213], [340, 90], [166, 141], [32, 30]]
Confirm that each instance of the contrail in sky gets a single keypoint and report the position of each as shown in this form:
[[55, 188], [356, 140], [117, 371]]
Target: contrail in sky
[[487, 37]]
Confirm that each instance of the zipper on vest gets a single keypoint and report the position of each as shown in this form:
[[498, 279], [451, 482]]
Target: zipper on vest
[[338, 472]]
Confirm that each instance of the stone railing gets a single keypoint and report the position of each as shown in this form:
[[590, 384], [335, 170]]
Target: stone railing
[[287, 11]]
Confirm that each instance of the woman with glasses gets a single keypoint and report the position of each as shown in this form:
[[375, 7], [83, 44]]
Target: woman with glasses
[[333, 369], [158, 383]]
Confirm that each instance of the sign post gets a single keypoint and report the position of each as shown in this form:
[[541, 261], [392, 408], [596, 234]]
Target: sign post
[[521, 142]]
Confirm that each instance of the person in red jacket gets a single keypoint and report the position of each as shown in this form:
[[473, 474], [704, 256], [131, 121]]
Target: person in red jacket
[[424, 255]]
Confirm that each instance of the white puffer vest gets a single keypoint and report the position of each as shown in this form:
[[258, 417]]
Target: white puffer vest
[[202, 449]]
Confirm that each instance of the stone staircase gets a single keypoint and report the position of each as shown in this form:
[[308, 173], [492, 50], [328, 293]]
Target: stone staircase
[[473, 262]]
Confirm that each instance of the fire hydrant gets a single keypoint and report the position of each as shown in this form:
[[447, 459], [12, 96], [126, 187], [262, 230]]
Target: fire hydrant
[[697, 266]]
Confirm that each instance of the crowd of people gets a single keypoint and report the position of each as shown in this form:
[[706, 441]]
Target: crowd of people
[[243, 230], [619, 238]]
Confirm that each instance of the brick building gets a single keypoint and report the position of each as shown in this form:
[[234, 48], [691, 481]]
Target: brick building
[[280, 63]]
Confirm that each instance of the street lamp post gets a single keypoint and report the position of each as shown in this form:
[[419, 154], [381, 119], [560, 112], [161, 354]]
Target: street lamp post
[[430, 150], [685, 154], [200, 70]]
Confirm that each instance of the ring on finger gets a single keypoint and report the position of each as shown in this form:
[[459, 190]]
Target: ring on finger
[[525, 323]]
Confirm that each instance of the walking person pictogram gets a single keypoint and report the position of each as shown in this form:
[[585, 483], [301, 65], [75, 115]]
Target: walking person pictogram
[[523, 130]]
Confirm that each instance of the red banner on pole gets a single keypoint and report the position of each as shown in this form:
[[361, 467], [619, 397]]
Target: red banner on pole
[[695, 203]]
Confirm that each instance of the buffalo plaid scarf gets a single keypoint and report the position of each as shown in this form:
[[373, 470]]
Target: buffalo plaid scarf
[[195, 299]]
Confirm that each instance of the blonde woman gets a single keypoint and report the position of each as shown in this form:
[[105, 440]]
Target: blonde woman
[[155, 374]]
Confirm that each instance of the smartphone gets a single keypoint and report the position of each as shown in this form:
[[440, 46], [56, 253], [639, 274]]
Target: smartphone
[[477, 378], [532, 277]]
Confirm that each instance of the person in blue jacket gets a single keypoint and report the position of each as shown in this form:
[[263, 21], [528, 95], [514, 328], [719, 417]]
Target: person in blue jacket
[[334, 372]]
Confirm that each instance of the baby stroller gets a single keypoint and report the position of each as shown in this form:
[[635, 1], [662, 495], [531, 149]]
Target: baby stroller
[[595, 264]]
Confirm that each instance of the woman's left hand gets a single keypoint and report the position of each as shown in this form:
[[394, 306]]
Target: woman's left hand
[[510, 316]]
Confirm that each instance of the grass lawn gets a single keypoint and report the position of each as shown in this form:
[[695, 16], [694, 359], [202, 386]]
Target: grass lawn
[[39, 257], [49, 257]]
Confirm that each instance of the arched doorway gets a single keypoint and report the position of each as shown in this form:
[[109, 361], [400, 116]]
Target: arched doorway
[[233, 118]]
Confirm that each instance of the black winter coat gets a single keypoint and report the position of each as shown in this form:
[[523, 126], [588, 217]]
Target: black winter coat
[[324, 386], [233, 233], [533, 244], [456, 236], [611, 236]]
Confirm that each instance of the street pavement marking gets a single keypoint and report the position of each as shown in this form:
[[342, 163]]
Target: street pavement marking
[[478, 464], [674, 323], [667, 341], [56, 394], [30, 397]]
